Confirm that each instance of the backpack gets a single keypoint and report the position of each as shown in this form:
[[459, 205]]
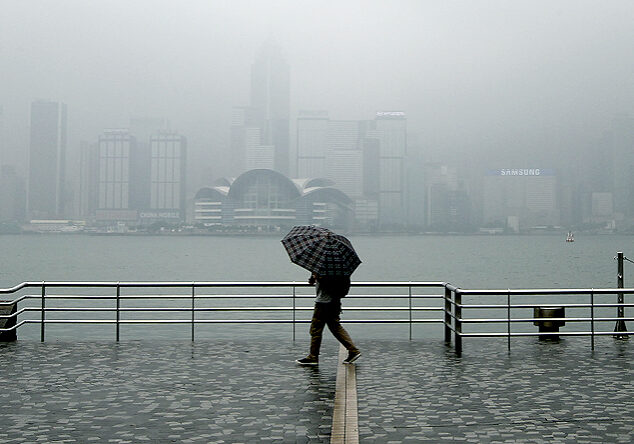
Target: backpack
[[338, 286]]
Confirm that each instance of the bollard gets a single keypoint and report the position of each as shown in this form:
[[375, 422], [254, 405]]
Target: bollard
[[547, 326], [8, 310]]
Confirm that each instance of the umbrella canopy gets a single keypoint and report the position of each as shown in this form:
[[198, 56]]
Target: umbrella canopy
[[321, 251]]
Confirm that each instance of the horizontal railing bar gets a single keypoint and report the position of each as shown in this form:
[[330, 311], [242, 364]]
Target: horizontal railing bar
[[181, 284], [228, 296], [16, 288], [13, 302], [573, 333], [537, 305], [221, 321], [13, 315], [185, 309], [502, 320], [564, 305], [15, 327], [546, 291]]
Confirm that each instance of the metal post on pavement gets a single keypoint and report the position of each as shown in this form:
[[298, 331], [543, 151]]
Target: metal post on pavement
[[118, 311], [43, 312], [193, 326], [458, 321], [447, 315], [294, 308], [620, 312], [410, 312]]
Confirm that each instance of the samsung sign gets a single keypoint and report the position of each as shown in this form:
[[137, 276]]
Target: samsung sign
[[522, 172]]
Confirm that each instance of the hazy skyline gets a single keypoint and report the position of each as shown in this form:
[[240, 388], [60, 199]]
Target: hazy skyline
[[493, 77]]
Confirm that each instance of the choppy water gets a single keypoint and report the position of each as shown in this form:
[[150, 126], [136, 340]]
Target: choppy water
[[467, 261]]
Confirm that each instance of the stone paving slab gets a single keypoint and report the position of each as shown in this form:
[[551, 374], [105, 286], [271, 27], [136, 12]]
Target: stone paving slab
[[556, 392], [239, 392], [152, 391]]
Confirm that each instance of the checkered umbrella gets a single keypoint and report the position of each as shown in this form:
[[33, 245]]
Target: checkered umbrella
[[321, 251]]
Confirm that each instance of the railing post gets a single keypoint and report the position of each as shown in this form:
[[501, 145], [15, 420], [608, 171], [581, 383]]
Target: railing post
[[447, 315], [118, 313], [508, 319], [43, 311], [592, 318], [410, 311], [193, 307], [294, 311], [620, 312], [458, 320]]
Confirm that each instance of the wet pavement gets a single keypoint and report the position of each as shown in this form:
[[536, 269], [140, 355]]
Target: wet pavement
[[240, 392]]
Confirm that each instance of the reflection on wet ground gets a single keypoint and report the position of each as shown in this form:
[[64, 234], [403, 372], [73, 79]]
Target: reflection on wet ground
[[240, 391]]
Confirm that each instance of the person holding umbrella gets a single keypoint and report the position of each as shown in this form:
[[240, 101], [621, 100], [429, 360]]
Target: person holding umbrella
[[331, 259]]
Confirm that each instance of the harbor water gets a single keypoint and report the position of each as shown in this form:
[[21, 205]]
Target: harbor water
[[535, 261]]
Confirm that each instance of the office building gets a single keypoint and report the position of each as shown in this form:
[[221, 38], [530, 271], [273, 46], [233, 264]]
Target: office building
[[88, 179], [270, 96], [345, 169], [526, 194], [167, 178], [142, 129], [621, 140], [116, 147], [392, 133], [244, 120], [47, 161], [12, 195], [257, 155], [312, 143], [447, 203]]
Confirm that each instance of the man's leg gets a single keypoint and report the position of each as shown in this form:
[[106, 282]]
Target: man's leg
[[337, 330], [316, 331], [342, 335]]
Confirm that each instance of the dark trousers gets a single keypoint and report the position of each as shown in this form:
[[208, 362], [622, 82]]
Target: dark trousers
[[328, 314]]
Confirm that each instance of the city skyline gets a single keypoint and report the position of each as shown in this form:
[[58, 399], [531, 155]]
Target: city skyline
[[483, 87]]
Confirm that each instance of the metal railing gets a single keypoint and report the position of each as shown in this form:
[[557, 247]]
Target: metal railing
[[511, 303], [506, 310], [189, 303]]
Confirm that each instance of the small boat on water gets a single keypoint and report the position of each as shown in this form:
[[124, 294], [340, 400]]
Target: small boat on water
[[570, 237]]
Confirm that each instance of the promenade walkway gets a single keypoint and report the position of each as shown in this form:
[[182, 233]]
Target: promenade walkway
[[239, 392]]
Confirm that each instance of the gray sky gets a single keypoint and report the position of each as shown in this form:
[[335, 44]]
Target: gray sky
[[489, 77]]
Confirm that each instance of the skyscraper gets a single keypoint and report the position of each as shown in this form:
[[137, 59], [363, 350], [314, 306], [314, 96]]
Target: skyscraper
[[270, 96], [1, 135], [244, 120], [168, 174], [622, 149], [312, 143], [116, 148], [88, 179], [47, 160], [392, 132]]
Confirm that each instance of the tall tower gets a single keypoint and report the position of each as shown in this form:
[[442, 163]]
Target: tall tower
[[47, 160], [312, 143], [115, 188], [168, 174], [392, 133], [270, 96], [622, 144]]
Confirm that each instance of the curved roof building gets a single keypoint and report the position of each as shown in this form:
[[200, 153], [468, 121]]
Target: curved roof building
[[266, 198]]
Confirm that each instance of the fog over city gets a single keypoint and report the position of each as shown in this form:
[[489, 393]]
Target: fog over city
[[496, 84]]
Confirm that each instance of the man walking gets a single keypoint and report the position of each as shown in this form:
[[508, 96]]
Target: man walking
[[329, 291]]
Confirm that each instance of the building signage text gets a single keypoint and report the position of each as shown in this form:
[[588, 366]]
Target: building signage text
[[522, 172]]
